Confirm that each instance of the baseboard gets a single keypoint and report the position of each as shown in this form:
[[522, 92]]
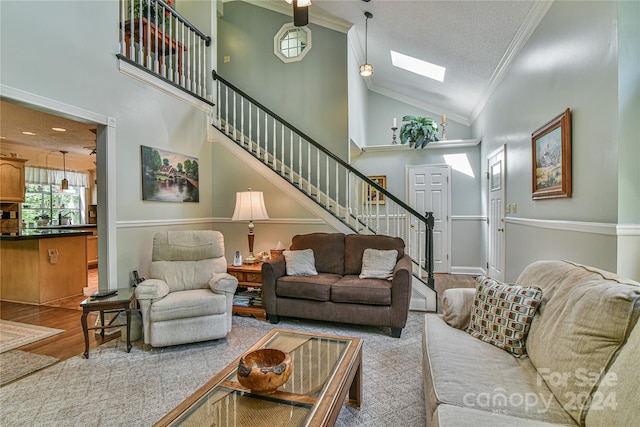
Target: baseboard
[[470, 271]]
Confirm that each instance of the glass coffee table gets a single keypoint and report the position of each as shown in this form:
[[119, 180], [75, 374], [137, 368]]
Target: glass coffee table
[[325, 370]]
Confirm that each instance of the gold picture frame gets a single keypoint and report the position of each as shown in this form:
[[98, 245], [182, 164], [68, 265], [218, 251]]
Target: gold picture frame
[[370, 194], [551, 159]]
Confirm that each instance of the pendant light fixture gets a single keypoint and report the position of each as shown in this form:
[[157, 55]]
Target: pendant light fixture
[[300, 12], [366, 69], [65, 184]]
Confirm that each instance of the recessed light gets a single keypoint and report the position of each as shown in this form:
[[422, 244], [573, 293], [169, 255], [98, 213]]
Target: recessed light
[[28, 133], [418, 66], [59, 129]]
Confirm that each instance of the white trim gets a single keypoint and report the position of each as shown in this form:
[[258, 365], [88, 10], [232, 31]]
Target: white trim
[[529, 25], [576, 226], [316, 16], [479, 218], [109, 271], [153, 81], [628, 229], [212, 220], [468, 271], [279, 36], [454, 143]]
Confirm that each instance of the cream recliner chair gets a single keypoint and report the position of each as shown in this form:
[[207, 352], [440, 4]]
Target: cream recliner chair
[[189, 295]]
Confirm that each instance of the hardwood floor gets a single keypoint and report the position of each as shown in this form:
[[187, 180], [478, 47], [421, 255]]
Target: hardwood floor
[[66, 314], [62, 346], [63, 314]]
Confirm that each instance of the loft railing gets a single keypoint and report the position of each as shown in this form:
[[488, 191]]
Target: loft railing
[[359, 202], [156, 38]]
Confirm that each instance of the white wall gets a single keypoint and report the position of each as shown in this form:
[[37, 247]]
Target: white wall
[[55, 51], [571, 61]]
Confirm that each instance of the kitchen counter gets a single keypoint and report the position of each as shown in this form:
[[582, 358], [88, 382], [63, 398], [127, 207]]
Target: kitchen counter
[[38, 266], [43, 233], [67, 227]]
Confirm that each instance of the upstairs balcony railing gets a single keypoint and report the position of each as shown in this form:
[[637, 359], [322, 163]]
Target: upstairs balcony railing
[[359, 202], [156, 38]]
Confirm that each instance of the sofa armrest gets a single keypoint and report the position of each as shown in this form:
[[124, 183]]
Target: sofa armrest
[[271, 271], [456, 306], [401, 292], [223, 283], [152, 289]]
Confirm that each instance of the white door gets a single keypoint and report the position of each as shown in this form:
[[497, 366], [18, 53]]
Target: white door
[[429, 192], [496, 236]]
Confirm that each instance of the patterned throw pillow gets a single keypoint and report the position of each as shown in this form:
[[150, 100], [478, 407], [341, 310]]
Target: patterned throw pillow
[[502, 314]]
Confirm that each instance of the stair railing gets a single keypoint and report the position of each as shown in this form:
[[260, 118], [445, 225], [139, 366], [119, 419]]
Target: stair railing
[[157, 39], [359, 202]]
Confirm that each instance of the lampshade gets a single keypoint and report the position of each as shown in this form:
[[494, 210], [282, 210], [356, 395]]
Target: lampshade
[[249, 206], [366, 70]]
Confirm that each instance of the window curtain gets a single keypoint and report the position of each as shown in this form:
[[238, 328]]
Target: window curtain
[[54, 177]]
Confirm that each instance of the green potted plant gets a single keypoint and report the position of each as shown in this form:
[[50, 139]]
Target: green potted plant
[[147, 9], [418, 131]]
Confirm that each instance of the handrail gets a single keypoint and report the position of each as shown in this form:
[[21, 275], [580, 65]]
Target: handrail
[[422, 217], [184, 21]]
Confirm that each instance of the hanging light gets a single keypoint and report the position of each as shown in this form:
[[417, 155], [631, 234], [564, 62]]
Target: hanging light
[[300, 12], [366, 69], [65, 184]]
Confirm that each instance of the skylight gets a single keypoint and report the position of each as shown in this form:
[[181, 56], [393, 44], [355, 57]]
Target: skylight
[[418, 66]]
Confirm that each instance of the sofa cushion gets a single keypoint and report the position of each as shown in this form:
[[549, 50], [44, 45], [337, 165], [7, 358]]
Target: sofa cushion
[[300, 263], [317, 288], [585, 317], [456, 306], [355, 244], [455, 416], [352, 289], [463, 371], [187, 304], [328, 249], [502, 314], [378, 264]]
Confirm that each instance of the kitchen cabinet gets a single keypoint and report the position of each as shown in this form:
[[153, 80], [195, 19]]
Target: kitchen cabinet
[[12, 179], [40, 266]]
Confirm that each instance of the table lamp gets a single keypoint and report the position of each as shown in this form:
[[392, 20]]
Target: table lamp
[[250, 207]]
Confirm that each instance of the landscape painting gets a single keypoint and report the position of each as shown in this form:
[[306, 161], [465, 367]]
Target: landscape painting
[[168, 176], [551, 160]]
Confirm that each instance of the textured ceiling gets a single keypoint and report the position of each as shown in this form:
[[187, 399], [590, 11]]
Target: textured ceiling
[[475, 40]]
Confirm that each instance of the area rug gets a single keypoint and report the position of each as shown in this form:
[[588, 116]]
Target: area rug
[[114, 387], [16, 364], [14, 334]]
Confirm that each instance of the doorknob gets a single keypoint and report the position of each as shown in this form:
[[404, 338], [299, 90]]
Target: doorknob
[[500, 229]]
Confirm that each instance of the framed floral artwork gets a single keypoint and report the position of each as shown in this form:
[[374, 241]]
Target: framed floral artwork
[[551, 158], [370, 194]]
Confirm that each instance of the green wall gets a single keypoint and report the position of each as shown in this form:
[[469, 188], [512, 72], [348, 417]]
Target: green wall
[[310, 94]]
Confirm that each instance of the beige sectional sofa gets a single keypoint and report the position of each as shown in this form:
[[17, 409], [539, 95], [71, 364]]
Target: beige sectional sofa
[[583, 364]]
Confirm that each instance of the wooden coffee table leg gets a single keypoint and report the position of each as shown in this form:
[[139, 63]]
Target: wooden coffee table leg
[[85, 330], [355, 391], [128, 310]]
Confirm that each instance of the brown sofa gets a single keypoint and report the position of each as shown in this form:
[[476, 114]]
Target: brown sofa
[[337, 293]]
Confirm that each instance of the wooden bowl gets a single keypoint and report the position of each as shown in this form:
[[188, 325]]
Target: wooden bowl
[[263, 371]]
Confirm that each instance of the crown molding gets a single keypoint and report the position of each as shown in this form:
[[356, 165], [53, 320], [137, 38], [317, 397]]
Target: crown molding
[[529, 25]]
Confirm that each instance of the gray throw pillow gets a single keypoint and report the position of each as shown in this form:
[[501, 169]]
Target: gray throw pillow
[[300, 263], [378, 264]]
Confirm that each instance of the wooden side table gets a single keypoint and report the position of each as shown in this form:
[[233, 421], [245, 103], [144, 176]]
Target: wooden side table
[[249, 276], [117, 303]]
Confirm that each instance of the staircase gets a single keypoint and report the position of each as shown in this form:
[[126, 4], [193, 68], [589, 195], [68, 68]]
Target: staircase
[[322, 182]]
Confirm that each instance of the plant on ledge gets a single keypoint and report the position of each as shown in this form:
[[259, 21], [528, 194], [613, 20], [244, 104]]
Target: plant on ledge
[[419, 131], [147, 9]]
